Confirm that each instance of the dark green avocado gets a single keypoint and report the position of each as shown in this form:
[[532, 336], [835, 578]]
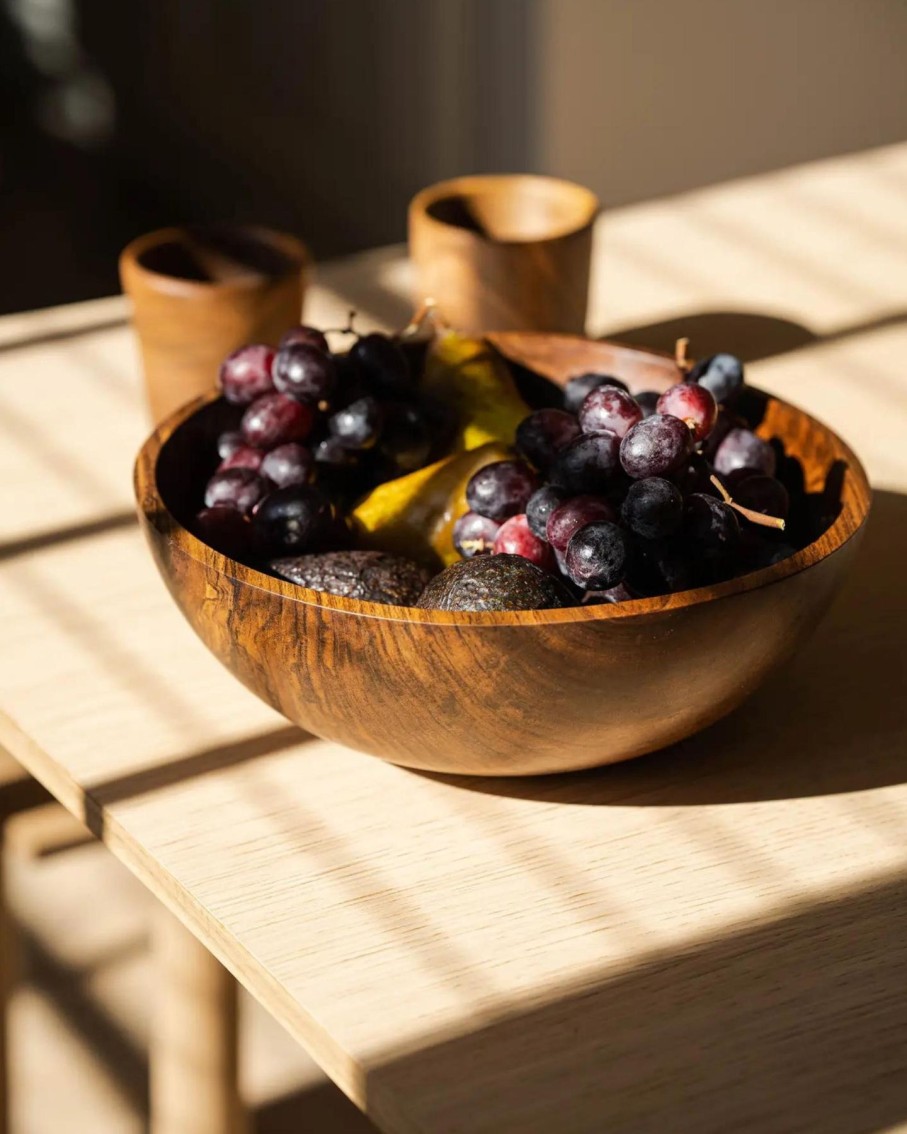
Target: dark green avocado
[[370, 576], [495, 582]]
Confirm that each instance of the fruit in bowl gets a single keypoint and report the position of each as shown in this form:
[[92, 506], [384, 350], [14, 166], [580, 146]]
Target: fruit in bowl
[[583, 553]]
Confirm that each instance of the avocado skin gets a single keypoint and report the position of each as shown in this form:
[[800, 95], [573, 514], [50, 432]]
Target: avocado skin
[[370, 576], [495, 582]]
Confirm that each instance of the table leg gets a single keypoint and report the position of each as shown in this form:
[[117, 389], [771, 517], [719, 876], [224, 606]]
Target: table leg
[[194, 1050], [7, 961]]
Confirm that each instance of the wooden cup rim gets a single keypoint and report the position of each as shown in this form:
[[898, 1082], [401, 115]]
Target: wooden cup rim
[[130, 262], [421, 203]]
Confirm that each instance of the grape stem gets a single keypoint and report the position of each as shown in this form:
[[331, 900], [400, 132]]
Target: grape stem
[[349, 329], [755, 517], [683, 364], [478, 545]]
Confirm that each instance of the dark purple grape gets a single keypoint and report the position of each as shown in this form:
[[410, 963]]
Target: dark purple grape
[[246, 374], [694, 475], [304, 372], [331, 452], [245, 457], [228, 443], [724, 423], [565, 521], [474, 534], [721, 375], [541, 435], [515, 537], [577, 389], [350, 381], [225, 529], [663, 566], [693, 404], [358, 425], [763, 494], [742, 449], [608, 407], [647, 400], [653, 508], [274, 419], [236, 488], [541, 504], [596, 556], [612, 595], [382, 364], [406, 439], [288, 464], [293, 519], [657, 446], [501, 489], [711, 523], [587, 464], [311, 336]]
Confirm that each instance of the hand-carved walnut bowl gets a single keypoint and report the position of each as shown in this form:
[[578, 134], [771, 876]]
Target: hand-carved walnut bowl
[[502, 693]]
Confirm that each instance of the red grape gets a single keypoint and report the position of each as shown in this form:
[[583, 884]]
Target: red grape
[[694, 405], [608, 407], [515, 537], [474, 534], [311, 336], [305, 372], [656, 446], [742, 449], [246, 374], [245, 457], [501, 489], [574, 514], [274, 419], [228, 443], [288, 464], [241, 489]]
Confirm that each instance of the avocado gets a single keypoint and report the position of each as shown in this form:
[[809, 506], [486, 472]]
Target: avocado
[[495, 582], [370, 576]]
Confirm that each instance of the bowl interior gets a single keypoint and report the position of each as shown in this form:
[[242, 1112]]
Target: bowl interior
[[179, 457]]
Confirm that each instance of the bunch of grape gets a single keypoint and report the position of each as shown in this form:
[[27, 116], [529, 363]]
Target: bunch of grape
[[634, 496], [311, 427]]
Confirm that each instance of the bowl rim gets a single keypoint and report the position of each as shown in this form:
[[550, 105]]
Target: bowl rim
[[856, 497]]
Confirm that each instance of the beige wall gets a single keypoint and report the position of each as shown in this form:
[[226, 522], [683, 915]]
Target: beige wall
[[639, 98]]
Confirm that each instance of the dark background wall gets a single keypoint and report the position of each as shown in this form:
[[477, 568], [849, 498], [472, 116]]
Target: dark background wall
[[324, 116]]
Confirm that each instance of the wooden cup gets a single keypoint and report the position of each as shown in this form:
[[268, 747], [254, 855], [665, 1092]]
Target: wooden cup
[[198, 294], [504, 252]]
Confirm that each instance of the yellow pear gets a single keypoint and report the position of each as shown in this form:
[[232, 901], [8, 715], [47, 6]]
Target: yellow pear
[[414, 515], [465, 374]]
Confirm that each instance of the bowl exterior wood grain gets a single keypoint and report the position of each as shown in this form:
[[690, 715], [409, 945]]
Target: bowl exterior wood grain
[[501, 694]]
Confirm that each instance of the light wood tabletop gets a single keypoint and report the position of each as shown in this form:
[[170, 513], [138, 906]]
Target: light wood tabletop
[[711, 938]]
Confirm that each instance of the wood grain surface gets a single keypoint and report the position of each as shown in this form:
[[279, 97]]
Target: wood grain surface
[[504, 251], [703, 940], [487, 693]]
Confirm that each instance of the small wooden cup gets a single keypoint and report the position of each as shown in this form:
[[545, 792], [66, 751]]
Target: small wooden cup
[[504, 252], [198, 294]]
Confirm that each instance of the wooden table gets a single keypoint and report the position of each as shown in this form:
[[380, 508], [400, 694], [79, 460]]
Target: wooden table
[[709, 939]]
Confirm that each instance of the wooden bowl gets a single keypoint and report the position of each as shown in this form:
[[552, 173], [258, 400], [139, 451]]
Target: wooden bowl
[[509, 693]]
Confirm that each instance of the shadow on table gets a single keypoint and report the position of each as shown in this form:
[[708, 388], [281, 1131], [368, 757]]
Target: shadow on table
[[797, 1025], [834, 719], [749, 335]]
